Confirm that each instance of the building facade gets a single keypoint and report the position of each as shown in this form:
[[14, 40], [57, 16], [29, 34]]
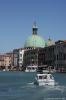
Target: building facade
[[1, 61], [5, 61], [21, 55], [60, 55], [15, 58], [30, 57]]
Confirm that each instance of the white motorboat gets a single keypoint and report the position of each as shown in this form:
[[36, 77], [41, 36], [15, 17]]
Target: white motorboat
[[42, 79]]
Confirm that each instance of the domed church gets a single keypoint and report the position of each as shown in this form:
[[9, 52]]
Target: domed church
[[36, 51], [32, 45], [34, 41]]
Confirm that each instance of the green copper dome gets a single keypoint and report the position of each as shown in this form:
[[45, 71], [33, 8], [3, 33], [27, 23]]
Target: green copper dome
[[35, 41]]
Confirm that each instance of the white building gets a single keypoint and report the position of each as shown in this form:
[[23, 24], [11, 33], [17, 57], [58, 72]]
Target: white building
[[21, 53]]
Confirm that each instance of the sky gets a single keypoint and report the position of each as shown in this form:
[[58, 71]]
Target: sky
[[17, 18]]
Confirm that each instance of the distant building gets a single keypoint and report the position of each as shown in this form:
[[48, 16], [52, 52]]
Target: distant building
[[16, 57], [49, 55], [5, 61], [36, 52], [21, 55], [55, 55], [1, 61], [34, 57], [30, 57], [60, 53]]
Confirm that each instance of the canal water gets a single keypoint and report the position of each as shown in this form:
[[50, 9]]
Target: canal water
[[19, 86]]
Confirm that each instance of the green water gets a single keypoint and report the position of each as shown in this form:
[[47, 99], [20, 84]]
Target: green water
[[19, 86]]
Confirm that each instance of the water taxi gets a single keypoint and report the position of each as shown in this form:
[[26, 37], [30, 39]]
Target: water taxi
[[44, 79]]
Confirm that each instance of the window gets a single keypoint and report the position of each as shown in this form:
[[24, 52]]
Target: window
[[45, 77]]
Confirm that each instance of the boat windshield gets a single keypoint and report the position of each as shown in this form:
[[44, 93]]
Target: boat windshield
[[43, 77]]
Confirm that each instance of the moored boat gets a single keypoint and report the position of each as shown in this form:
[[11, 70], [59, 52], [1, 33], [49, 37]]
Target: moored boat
[[31, 68]]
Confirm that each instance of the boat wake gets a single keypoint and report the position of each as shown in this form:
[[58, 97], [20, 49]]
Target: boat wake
[[47, 87], [32, 83], [28, 85]]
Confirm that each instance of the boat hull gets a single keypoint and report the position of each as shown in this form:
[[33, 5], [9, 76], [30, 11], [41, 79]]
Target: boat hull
[[42, 83]]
